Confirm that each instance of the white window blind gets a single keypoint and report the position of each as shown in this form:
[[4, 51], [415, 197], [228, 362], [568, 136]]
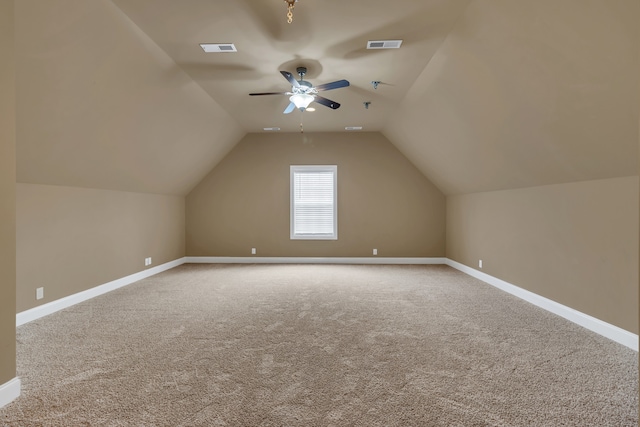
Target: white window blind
[[314, 202]]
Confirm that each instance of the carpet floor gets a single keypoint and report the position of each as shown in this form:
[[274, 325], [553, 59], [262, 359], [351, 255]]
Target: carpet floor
[[317, 345]]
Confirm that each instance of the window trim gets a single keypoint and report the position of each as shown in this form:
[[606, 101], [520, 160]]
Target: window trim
[[313, 168]]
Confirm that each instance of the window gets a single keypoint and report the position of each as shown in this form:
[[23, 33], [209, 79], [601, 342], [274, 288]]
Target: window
[[314, 202]]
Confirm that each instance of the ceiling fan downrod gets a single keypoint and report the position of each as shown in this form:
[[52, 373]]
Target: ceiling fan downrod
[[290, 6]]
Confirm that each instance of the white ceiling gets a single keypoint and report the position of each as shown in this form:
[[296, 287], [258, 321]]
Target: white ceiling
[[483, 95], [329, 37]]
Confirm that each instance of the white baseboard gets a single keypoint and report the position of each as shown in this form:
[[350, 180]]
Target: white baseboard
[[598, 326], [311, 260], [53, 306], [9, 391], [605, 329]]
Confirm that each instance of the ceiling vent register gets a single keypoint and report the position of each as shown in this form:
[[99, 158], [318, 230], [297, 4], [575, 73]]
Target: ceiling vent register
[[218, 47], [384, 44]]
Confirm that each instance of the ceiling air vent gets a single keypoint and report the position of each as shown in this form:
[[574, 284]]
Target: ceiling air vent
[[353, 128], [218, 47], [272, 129], [384, 44]]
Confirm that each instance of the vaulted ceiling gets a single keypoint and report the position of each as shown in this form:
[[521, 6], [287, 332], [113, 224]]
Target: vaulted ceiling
[[482, 95]]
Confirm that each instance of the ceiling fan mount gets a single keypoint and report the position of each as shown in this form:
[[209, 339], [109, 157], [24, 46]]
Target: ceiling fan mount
[[304, 93], [305, 86]]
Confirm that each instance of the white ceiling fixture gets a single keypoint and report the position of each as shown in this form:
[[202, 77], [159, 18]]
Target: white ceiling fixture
[[353, 128], [301, 100], [218, 47], [384, 44], [272, 129]]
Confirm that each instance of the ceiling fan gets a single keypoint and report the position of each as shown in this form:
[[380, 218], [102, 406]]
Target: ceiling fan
[[304, 93]]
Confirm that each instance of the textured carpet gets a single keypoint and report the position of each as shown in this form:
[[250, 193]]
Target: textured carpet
[[326, 345]]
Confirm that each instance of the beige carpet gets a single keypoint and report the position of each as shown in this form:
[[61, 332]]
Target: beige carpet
[[303, 345]]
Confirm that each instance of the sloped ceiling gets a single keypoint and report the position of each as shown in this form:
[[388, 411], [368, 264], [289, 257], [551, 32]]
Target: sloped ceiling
[[483, 94], [526, 93], [99, 105]]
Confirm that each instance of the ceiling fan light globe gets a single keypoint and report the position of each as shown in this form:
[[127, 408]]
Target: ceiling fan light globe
[[301, 100]]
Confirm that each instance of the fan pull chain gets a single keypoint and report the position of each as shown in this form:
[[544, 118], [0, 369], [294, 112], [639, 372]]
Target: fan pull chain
[[301, 119], [291, 5]]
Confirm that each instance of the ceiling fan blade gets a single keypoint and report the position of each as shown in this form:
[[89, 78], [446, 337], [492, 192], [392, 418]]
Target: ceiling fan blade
[[269, 93], [327, 102], [333, 85], [289, 108], [287, 75]]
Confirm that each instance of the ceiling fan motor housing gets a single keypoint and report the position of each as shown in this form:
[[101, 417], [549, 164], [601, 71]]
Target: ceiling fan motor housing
[[305, 87]]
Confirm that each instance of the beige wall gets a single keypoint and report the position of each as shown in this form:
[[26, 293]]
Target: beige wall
[[7, 196], [72, 239], [576, 243], [384, 202]]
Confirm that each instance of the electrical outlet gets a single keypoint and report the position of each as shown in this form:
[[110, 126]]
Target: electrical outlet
[[147, 261], [375, 252], [39, 293], [480, 263], [253, 251]]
